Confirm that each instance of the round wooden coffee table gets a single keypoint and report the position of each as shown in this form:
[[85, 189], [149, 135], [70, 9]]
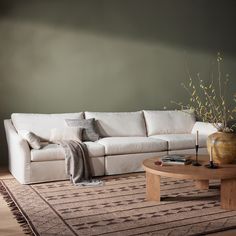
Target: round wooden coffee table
[[201, 175]]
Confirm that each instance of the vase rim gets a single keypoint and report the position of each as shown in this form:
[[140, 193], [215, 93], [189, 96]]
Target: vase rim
[[226, 132]]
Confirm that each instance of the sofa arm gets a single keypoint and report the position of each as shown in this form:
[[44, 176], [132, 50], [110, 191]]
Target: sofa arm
[[18, 153], [204, 128]]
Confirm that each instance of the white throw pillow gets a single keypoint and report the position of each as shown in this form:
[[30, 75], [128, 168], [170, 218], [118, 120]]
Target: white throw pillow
[[31, 138], [68, 133]]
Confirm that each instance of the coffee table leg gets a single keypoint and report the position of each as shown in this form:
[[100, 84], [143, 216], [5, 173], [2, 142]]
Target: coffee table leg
[[202, 184], [228, 194], [153, 183]]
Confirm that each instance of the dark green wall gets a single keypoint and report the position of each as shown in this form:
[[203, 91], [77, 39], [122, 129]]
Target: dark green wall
[[110, 55]]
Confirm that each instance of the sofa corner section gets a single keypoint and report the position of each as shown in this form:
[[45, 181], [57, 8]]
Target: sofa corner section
[[18, 154]]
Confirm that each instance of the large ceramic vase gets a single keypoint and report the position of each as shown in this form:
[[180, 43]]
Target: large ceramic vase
[[223, 147]]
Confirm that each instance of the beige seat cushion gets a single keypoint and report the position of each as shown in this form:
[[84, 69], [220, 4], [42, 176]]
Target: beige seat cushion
[[95, 149], [52, 152], [126, 145], [181, 141]]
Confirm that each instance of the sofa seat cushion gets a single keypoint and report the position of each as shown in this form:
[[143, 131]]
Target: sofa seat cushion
[[128, 145], [41, 124], [181, 141], [52, 152], [95, 149], [169, 122], [119, 124]]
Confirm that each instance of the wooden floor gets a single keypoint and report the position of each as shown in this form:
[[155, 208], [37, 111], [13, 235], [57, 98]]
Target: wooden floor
[[8, 224], [10, 227]]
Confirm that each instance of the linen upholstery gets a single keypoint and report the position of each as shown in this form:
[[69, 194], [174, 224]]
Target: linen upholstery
[[95, 149], [201, 151], [125, 145], [120, 164], [19, 154], [203, 128], [119, 124], [52, 152], [27, 166], [67, 133], [32, 139], [55, 170], [41, 124], [181, 141], [89, 128], [168, 122]]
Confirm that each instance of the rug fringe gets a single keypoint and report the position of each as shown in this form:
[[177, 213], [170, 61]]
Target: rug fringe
[[15, 211]]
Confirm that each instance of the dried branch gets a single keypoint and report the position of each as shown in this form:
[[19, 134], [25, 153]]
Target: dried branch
[[209, 101]]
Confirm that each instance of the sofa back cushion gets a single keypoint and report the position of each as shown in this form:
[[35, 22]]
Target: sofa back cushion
[[204, 128], [169, 122], [41, 124], [119, 124]]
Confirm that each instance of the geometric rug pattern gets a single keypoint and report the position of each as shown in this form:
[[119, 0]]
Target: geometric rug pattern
[[120, 208]]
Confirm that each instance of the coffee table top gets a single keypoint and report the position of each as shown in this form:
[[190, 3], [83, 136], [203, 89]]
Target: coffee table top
[[227, 171]]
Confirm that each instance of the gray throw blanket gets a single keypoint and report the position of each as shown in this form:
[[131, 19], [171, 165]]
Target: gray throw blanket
[[77, 163]]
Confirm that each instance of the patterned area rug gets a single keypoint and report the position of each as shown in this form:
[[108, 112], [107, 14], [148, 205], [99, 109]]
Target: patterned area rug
[[118, 208]]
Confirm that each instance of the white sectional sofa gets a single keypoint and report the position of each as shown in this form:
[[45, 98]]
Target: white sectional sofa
[[126, 139]]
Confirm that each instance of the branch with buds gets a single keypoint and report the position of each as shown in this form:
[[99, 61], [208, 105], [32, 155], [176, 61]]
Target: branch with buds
[[209, 101]]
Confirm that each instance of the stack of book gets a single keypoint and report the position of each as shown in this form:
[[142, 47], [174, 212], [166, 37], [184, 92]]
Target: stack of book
[[174, 160]]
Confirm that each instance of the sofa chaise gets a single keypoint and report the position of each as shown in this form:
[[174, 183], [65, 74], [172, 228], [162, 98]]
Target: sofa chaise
[[126, 139]]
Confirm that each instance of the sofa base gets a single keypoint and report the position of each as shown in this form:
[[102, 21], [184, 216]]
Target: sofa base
[[201, 151], [46, 171], [120, 164]]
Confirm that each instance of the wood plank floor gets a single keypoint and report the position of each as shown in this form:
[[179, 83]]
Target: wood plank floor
[[10, 227], [8, 224]]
